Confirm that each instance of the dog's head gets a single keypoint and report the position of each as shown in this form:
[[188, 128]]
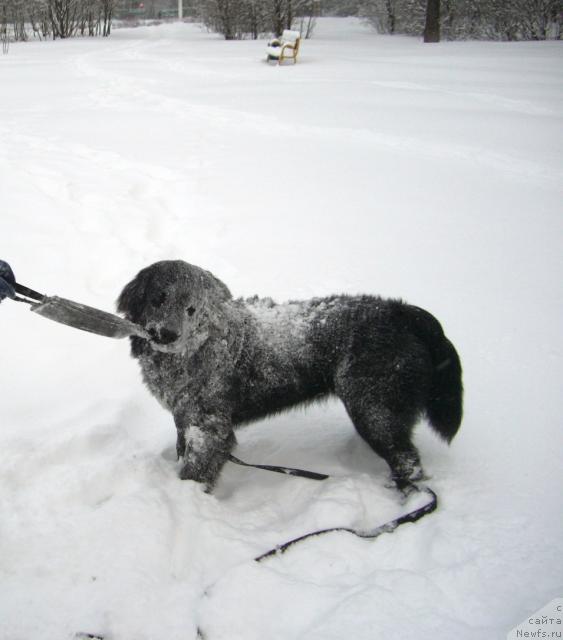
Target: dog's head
[[177, 303]]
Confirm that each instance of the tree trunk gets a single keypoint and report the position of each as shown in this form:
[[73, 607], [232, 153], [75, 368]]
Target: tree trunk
[[432, 27], [390, 16]]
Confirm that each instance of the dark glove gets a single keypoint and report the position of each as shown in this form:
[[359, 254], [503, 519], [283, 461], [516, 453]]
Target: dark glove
[[7, 281]]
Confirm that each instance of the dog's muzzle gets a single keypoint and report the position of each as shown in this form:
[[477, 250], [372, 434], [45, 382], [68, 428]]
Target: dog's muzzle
[[163, 336]]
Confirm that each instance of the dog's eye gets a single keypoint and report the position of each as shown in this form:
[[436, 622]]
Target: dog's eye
[[158, 300], [191, 311]]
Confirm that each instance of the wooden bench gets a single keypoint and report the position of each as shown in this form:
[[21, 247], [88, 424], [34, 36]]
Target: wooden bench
[[284, 48]]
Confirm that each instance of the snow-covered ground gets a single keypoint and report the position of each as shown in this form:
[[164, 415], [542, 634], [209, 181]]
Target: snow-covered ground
[[376, 164]]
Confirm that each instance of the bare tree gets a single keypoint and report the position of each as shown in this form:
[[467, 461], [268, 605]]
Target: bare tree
[[382, 14], [107, 8], [64, 16]]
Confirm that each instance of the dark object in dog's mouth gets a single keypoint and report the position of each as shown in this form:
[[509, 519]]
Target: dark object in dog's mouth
[[78, 315], [85, 318], [163, 336]]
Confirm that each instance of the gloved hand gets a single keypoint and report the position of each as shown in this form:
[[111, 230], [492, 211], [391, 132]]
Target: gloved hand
[[7, 281]]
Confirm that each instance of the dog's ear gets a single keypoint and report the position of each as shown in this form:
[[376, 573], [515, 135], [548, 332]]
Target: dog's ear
[[221, 288], [131, 301]]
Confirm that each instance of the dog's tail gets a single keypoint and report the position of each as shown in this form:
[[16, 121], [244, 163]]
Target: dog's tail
[[445, 404]]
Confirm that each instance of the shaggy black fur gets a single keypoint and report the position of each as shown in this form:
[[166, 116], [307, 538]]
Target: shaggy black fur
[[217, 363]]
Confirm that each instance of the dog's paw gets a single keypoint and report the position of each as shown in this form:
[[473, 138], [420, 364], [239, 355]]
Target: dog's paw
[[406, 484], [189, 472], [205, 487], [407, 490]]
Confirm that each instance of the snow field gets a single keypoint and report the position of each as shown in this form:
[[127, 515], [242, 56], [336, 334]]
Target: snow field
[[377, 165]]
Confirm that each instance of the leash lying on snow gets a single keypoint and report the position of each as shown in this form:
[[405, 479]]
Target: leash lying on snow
[[387, 527], [77, 315], [288, 471]]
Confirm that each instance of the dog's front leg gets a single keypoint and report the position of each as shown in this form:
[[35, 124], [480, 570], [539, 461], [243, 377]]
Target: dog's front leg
[[180, 441], [206, 441]]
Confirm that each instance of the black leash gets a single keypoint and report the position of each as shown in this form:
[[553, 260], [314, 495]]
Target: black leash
[[28, 293], [387, 527], [289, 471]]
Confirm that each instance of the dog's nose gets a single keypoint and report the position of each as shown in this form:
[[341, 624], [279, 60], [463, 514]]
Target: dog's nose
[[163, 336]]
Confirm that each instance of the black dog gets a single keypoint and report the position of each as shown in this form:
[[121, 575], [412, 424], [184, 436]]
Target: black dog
[[217, 363]]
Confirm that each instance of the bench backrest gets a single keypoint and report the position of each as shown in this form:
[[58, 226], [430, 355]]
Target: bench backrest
[[290, 36]]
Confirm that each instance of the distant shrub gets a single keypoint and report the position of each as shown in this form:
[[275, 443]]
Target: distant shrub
[[22, 19], [238, 19]]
